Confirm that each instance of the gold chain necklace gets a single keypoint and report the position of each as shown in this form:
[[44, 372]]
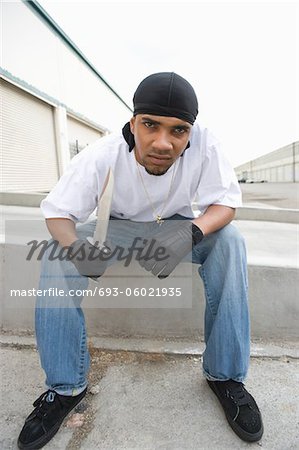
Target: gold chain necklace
[[158, 217]]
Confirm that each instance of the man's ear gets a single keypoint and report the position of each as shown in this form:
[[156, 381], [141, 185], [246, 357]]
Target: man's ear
[[132, 123]]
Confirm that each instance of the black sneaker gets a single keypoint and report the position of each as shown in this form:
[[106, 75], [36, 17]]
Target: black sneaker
[[240, 409], [44, 421]]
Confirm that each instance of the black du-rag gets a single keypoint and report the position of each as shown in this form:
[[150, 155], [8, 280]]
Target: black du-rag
[[163, 94]]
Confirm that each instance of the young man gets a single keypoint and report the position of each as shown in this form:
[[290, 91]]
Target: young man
[[162, 161]]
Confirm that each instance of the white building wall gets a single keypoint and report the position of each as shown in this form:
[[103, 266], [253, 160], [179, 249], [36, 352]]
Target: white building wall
[[282, 165], [32, 52], [52, 103]]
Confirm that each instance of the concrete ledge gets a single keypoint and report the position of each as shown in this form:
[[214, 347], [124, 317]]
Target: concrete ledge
[[21, 198], [280, 215], [273, 303], [254, 213]]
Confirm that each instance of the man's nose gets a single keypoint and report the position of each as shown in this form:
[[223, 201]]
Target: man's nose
[[162, 141]]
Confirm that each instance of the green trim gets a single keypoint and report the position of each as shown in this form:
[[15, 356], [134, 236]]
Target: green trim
[[44, 16]]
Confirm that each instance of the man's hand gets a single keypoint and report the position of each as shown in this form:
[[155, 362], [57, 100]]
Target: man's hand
[[89, 260], [177, 240]]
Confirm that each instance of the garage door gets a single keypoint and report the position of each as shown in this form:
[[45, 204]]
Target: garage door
[[29, 160]]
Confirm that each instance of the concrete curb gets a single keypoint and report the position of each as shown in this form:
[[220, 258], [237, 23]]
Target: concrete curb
[[273, 308], [273, 289], [259, 349], [280, 215], [256, 213]]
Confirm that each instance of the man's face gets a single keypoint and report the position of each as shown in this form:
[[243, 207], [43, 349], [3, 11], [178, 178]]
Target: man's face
[[159, 141]]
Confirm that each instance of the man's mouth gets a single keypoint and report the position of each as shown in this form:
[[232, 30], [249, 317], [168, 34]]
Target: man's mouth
[[159, 160]]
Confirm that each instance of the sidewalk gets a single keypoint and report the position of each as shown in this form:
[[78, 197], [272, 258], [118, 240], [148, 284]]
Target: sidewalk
[[152, 400]]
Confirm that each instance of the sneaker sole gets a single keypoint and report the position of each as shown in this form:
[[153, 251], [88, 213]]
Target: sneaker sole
[[43, 440], [244, 435]]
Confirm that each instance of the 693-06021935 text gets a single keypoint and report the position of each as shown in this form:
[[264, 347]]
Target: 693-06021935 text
[[101, 291]]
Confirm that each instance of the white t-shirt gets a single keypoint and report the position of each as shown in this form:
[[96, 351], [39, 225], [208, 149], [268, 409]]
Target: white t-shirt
[[202, 175]]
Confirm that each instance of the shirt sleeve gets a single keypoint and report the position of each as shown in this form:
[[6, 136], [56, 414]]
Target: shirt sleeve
[[76, 194], [71, 198], [218, 184]]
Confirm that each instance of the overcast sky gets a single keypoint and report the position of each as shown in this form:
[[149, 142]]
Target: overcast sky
[[241, 57]]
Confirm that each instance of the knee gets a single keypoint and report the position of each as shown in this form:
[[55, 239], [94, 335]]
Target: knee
[[230, 237], [86, 229]]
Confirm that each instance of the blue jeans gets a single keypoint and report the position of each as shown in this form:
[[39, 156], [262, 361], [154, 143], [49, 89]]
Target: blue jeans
[[61, 332]]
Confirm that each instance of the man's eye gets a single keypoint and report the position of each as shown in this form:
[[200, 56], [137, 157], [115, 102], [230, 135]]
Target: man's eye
[[148, 124], [180, 130]]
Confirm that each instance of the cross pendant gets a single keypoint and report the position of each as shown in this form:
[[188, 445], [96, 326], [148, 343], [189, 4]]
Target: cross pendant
[[159, 220]]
